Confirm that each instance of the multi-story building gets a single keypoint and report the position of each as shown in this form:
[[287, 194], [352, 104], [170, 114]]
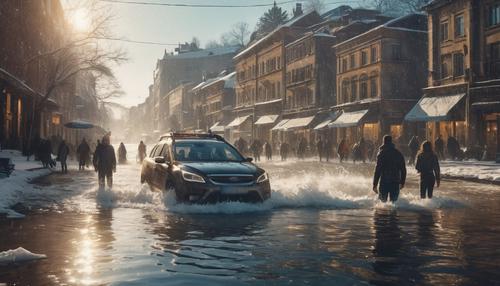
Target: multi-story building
[[219, 102], [380, 74], [176, 109], [187, 66], [462, 96], [260, 76], [30, 29]]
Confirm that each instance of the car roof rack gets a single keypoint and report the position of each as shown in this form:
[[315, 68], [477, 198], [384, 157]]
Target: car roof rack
[[176, 135]]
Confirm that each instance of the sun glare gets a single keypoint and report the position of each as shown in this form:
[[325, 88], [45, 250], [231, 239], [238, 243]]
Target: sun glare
[[80, 20]]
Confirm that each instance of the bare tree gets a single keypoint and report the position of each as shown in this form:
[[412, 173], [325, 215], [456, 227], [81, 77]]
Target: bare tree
[[212, 44], [315, 5], [396, 7], [240, 33], [78, 52]]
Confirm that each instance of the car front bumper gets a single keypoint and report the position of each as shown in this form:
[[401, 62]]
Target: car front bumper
[[212, 193]]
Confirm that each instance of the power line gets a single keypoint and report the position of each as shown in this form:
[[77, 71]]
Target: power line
[[137, 42], [196, 5]]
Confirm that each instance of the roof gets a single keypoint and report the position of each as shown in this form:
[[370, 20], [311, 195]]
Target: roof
[[227, 79], [433, 108], [291, 23], [206, 53], [402, 23]]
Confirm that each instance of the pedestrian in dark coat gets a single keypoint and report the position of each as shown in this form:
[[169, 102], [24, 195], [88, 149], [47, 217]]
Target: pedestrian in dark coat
[[343, 150], [269, 151], [256, 148], [390, 171], [141, 151], [105, 162], [319, 147], [45, 152], [363, 150], [428, 167], [284, 151], [122, 154], [83, 152], [439, 145], [453, 148], [301, 148], [413, 145], [62, 156], [327, 149]]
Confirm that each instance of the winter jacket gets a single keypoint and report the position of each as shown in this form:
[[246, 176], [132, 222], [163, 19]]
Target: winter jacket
[[62, 152], [104, 158], [83, 151], [428, 165], [390, 166]]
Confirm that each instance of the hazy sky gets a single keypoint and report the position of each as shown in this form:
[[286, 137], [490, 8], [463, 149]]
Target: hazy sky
[[172, 25]]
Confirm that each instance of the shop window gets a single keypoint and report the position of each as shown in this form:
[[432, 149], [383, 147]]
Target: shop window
[[494, 15], [19, 116], [458, 64], [396, 131], [459, 26], [443, 31]]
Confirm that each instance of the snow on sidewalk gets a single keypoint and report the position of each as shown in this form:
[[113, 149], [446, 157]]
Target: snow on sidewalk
[[480, 170], [14, 188]]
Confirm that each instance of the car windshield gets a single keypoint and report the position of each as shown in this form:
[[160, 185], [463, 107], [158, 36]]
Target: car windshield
[[205, 151]]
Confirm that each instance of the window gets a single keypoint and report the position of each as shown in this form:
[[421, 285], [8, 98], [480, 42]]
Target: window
[[494, 15], [205, 151], [354, 89], [353, 61], [373, 54], [458, 64], [443, 31], [345, 91], [445, 66], [344, 65], [459, 26], [363, 87], [364, 58], [495, 59], [396, 52], [373, 87]]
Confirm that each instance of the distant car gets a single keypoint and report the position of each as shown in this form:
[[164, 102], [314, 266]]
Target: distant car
[[204, 168]]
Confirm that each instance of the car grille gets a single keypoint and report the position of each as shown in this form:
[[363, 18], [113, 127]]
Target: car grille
[[232, 179]]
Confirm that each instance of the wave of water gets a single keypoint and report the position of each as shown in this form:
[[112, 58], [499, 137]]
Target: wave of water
[[314, 191]]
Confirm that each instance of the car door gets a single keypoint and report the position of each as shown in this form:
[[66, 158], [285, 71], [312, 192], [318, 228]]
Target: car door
[[148, 166], [156, 166], [162, 170]]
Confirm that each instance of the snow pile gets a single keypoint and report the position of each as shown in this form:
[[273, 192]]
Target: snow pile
[[19, 255], [14, 188], [488, 171]]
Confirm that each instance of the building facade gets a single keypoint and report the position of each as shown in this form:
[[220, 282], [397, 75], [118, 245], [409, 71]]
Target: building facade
[[380, 74]]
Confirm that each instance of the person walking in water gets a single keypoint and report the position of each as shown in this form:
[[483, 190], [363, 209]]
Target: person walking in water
[[62, 155], [269, 151], [413, 145], [83, 152], [122, 154], [141, 151], [319, 147], [343, 150], [390, 171], [428, 167], [105, 162]]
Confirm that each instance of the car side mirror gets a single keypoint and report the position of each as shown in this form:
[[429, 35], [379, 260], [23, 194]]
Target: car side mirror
[[159, 160], [249, 159]]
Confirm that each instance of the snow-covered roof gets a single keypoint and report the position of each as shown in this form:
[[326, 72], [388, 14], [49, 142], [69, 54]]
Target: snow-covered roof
[[288, 24], [433, 108], [228, 79], [268, 102], [206, 53]]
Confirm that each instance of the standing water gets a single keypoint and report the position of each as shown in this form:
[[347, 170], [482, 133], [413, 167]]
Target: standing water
[[322, 226]]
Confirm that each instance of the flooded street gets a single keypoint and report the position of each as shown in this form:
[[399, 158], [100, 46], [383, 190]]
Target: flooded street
[[319, 228]]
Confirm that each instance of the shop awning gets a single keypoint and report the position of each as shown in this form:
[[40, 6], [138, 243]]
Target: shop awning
[[280, 124], [294, 123], [266, 119], [217, 128], [487, 106], [349, 119], [331, 117], [238, 121], [433, 108]]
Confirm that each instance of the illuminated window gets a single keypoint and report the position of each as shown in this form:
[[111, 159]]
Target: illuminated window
[[56, 119]]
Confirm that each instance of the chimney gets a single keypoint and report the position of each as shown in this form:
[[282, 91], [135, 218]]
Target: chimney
[[298, 10]]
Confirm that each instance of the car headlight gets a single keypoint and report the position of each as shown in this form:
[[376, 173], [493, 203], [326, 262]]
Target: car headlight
[[192, 177], [262, 178]]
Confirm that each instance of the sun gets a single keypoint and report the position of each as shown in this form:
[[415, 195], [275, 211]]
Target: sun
[[80, 20]]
